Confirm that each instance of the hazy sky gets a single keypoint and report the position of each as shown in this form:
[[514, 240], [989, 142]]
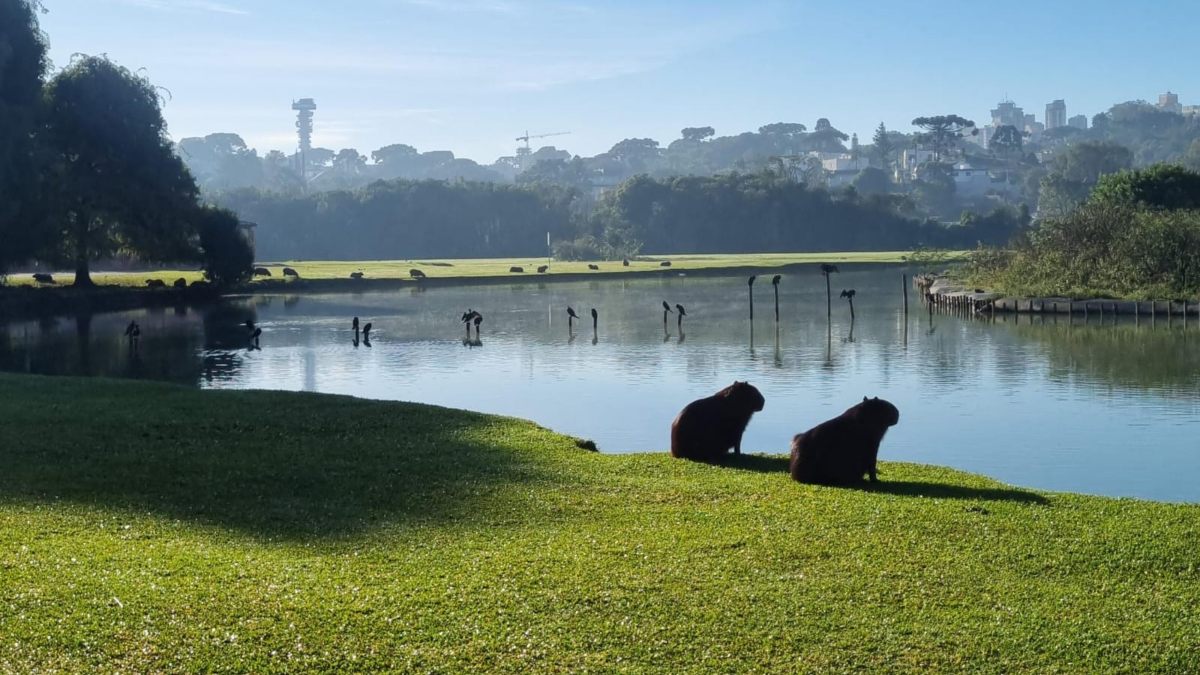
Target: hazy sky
[[470, 75]]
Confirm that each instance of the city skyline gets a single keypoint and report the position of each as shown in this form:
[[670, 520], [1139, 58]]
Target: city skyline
[[471, 75]]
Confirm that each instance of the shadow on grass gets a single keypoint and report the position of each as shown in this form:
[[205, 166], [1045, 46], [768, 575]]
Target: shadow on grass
[[779, 464], [266, 463]]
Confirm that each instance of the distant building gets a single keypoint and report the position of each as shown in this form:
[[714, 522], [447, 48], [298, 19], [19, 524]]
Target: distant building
[[1079, 122], [1191, 110], [1056, 114], [910, 160], [1007, 112], [1170, 102], [971, 182]]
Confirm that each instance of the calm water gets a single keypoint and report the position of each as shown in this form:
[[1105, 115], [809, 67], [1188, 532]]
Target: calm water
[[1103, 408]]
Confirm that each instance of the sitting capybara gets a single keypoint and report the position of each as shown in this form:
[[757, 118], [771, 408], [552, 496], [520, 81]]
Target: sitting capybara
[[416, 273], [542, 269], [155, 283], [43, 278], [262, 272], [665, 263], [516, 270], [593, 267], [706, 429], [356, 275], [180, 283], [843, 449]]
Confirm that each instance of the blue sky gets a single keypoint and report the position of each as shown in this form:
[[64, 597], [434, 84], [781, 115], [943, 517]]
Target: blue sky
[[470, 75]]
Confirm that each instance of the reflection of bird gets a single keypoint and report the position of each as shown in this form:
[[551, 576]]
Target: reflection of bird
[[367, 331], [355, 324]]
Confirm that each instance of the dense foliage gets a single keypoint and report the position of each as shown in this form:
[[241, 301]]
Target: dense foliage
[[1137, 236], [732, 213], [87, 171]]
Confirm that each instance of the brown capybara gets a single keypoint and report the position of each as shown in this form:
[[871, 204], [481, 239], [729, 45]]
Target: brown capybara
[[706, 429], [416, 273], [155, 283], [516, 270], [843, 449], [180, 283]]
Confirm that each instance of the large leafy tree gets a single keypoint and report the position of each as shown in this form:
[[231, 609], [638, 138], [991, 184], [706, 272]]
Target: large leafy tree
[[22, 65], [941, 133], [119, 186]]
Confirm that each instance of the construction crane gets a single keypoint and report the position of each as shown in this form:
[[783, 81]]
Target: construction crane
[[525, 139]]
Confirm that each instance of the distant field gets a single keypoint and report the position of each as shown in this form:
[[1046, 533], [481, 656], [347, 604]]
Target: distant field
[[496, 267]]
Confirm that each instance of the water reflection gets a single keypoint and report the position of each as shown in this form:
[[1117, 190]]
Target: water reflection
[[1026, 400]]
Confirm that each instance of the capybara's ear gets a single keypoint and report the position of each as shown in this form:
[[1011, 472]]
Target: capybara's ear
[[864, 399]]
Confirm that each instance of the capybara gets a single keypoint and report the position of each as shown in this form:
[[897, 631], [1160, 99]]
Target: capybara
[[416, 273], [180, 283], [356, 275], [593, 267], [514, 269], [43, 278], [625, 262], [200, 283], [289, 272], [665, 263], [706, 429], [262, 272], [542, 269], [155, 283], [843, 449]]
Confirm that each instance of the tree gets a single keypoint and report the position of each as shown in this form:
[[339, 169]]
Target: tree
[[1160, 187], [884, 149], [22, 65], [941, 133], [1086, 162], [825, 138], [697, 133], [228, 257], [871, 181], [119, 186], [636, 153], [1005, 141], [782, 129]]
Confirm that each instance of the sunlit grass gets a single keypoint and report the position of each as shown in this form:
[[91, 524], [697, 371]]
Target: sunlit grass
[[492, 267], [149, 528]]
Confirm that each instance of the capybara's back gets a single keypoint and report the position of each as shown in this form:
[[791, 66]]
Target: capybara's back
[[707, 428], [843, 449]]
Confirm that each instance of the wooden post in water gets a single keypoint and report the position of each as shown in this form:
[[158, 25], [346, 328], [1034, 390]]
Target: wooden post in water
[[904, 288]]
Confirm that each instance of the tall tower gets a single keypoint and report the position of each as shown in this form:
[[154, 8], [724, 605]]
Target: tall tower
[[304, 127], [1056, 114]]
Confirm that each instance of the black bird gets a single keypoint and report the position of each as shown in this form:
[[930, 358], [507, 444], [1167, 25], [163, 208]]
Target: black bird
[[130, 329], [775, 279], [666, 307], [666, 311], [681, 315], [355, 324], [571, 315], [595, 319], [367, 331], [849, 296], [477, 320], [133, 332], [255, 335], [750, 283], [775, 282]]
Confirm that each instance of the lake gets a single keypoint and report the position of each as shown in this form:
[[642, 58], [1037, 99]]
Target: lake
[[1107, 408]]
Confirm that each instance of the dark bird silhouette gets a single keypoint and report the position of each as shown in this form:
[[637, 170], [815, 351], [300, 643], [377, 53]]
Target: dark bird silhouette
[[595, 319], [826, 270], [133, 332], [249, 324], [477, 320], [849, 296], [571, 316], [666, 311], [255, 335], [775, 282], [355, 324], [130, 328], [367, 331], [682, 314]]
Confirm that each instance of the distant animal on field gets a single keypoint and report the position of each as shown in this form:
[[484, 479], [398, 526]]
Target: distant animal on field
[[155, 283], [262, 272], [43, 278], [665, 263], [416, 273], [706, 429], [625, 262], [289, 272], [542, 269], [200, 283], [180, 283], [516, 270], [842, 450], [356, 275], [593, 267]]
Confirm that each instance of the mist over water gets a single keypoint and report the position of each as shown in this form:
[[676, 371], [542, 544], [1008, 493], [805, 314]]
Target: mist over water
[[1053, 406]]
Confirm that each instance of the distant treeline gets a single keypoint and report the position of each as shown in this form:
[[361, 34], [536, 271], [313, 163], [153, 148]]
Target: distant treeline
[[759, 212]]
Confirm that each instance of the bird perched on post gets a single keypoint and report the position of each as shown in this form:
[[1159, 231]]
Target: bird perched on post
[[775, 282], [354, 324], [477, 320], [750, 283], [133, 332], [849, 296], [595, 319], [571, 316], [367, 332], [666, 311], [682, 314]]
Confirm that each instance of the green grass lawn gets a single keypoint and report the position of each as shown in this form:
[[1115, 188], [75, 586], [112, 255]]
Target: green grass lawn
[[478, 268], [146, 528]]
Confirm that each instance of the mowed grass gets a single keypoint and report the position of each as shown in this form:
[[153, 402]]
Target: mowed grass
[[149, 528], [483, 268]]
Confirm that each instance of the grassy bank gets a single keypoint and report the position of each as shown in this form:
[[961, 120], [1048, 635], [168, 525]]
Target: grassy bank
[[483, 268], [145, 527]]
